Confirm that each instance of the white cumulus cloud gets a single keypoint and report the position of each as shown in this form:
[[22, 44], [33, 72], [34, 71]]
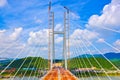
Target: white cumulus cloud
[[117, 43], [74, 16], [79, 35], [3, 3], [101, 40], [109, 18], [58, 27], [84, 33], [37, 20], [10, 44], [38, 38], [16, 33]]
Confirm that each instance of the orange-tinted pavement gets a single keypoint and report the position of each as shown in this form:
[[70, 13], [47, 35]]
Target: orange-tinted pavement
[[59, 74]]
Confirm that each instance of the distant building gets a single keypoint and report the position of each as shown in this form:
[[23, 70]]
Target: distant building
[[33, 69], [57, 64], [9, 70]]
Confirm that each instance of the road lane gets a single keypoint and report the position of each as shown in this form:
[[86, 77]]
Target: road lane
[[52, 75], [59, 74]]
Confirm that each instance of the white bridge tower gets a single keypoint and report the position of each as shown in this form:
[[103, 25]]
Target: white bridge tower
[[52, 32]]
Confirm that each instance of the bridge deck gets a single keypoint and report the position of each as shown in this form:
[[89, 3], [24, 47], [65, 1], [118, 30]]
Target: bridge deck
[[59, 74]]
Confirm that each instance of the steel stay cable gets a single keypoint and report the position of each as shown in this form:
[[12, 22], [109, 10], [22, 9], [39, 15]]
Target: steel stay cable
[[98, 63], [34, 65], [92, 65], [105, 72], [105, 28], [21, 65], [35, 73], [101, 53], [97, 60], [109, 45], [85, 65], [83, 62], [18, 68], [79, 65], [112, 46], [46, 74], [108, 59], [109, 29], [88, 58], [83, 74], [104, 56], [29, 65], [15, 42], [77, 62], [37, 65], [102, 68], [13, 60], [104, 41], [38, 68]]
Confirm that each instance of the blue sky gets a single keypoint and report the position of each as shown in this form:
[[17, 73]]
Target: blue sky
[[23, 26]]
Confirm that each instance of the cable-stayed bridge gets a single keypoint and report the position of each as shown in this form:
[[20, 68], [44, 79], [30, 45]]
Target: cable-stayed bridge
[[61, 70]]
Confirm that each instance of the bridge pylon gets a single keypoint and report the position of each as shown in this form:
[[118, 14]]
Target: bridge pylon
[[52, 32]]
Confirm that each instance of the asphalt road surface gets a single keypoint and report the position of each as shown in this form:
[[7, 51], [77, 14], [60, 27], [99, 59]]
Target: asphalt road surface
[[59, 74]]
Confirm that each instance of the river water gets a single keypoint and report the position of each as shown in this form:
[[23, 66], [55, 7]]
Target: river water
[[87, 78]]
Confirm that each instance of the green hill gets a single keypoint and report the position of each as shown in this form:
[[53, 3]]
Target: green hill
[[41, 63], [85, 63], [116, 62], [72, 64]]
